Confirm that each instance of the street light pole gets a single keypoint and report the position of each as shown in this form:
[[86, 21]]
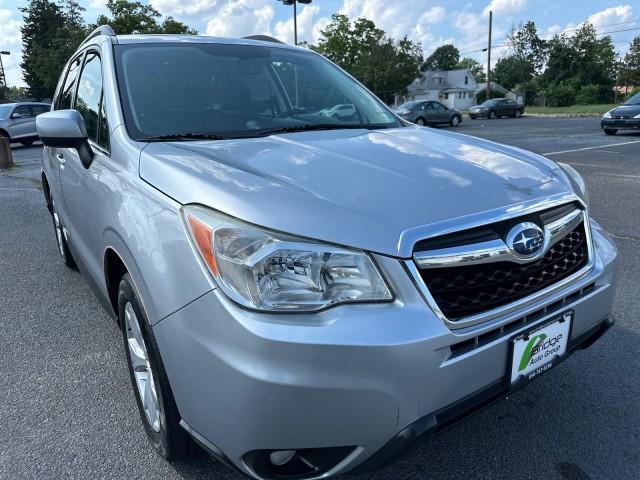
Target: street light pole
[[295, 15], [3, 79]]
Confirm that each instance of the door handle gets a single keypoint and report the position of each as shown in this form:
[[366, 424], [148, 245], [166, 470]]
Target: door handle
[[60, 158]]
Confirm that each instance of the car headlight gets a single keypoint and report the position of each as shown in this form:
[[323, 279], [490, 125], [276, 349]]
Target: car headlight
[[577, 180], [607, 115], [269, 271]]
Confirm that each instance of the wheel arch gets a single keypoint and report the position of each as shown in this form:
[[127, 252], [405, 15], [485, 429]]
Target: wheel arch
[[114, 270], [4, 133]]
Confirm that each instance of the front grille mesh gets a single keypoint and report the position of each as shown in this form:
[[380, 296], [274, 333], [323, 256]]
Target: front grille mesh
[[467, 290]]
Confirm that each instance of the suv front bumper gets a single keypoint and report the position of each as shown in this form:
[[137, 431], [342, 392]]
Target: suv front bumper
[[358, 376]]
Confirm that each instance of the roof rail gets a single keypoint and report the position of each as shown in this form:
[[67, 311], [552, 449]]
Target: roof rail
[[101, 30], [264, 38]]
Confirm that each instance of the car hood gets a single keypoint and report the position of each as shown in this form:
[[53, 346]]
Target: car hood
[[627, 111], [358, 188]]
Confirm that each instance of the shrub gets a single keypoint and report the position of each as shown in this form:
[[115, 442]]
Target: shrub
[[560, 95], [594, 94]]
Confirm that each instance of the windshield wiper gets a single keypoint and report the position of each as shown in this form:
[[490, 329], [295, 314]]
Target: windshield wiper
[[178, 137], [308, 127]]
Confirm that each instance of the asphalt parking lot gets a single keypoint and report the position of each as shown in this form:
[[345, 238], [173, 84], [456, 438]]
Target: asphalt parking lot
[[67, 409]]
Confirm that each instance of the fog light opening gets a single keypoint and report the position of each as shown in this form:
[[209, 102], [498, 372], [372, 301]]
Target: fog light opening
[[281, 457]]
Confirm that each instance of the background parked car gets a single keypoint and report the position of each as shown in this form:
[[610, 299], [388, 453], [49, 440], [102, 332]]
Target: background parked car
[[429, 113], [343, 111], [496, 108], [18, 121], [624, 117]]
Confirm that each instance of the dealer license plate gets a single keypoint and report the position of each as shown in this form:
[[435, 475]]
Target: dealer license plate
[[538, 350]]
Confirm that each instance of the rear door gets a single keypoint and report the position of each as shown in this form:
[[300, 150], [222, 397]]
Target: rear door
[[79, 184]]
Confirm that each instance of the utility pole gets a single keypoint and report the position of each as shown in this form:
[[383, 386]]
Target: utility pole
[[3, 79], [295, 15], [489, 56]]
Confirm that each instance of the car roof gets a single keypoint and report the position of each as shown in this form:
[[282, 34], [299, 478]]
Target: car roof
[[163, 38]]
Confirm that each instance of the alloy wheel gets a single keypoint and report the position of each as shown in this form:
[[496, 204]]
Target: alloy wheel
[[143, 373]]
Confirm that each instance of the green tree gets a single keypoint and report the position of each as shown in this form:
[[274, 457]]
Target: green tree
[[475, 67], [135, 17], [445, 57], [630, 74], [527, 46], [384, 65], [42, 20], [50, 34], [512, 71], [580, 60]]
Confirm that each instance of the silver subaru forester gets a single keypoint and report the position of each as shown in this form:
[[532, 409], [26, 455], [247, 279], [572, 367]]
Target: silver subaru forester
[[305, 295]]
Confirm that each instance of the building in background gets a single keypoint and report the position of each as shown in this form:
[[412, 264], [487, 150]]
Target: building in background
[[453, 88]]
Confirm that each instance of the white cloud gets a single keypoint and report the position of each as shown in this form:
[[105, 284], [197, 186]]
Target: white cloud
[[505, 8], [237, 18], [185, 8], [11, 40], [611, 15]]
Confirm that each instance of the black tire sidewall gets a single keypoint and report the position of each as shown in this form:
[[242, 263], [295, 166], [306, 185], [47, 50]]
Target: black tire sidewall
[[171, 441], [66, 256]]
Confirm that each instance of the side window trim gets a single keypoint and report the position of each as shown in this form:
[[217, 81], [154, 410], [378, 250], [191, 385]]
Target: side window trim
[[98, 52]]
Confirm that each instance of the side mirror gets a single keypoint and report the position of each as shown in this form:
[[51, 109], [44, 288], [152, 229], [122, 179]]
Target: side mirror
[[16, 115], [65, 129]]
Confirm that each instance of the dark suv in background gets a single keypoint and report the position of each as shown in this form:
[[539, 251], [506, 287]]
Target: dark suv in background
[[496, 108]]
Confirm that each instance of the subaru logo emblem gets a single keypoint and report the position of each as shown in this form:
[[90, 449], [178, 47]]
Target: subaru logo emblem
[[526, 240]]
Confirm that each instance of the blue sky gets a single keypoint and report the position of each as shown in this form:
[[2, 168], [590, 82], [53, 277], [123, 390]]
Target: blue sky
[[431, 22]]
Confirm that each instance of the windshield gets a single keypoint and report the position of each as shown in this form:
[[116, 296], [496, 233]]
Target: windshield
[[238, 91], [4, 110], [488, 103], [408, 106], [635, 100]]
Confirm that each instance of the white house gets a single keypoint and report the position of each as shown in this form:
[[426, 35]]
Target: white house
[[453, 88]]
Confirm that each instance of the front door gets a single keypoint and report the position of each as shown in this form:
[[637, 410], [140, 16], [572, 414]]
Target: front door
[[79, 184]]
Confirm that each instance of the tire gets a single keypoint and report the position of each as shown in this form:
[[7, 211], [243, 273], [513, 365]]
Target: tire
[[4, 134], [492, 115], [517, 114], [159, 414], [420, 121], [610, 131], [455, 121], [61, 241], [26, 143]]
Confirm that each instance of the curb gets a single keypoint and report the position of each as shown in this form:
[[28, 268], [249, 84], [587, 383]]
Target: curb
[[564, 115]]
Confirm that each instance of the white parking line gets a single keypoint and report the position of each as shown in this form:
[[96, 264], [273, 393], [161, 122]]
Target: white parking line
[[591, 148]]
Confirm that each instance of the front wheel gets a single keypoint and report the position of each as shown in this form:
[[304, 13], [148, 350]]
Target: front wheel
[[420, 121], [61, 241], [154, 397], [610, 131], [517, 114], [455, 121], [492, 115]]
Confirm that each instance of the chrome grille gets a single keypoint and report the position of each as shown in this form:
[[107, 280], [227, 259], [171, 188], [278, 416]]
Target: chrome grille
[[466, 280]]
